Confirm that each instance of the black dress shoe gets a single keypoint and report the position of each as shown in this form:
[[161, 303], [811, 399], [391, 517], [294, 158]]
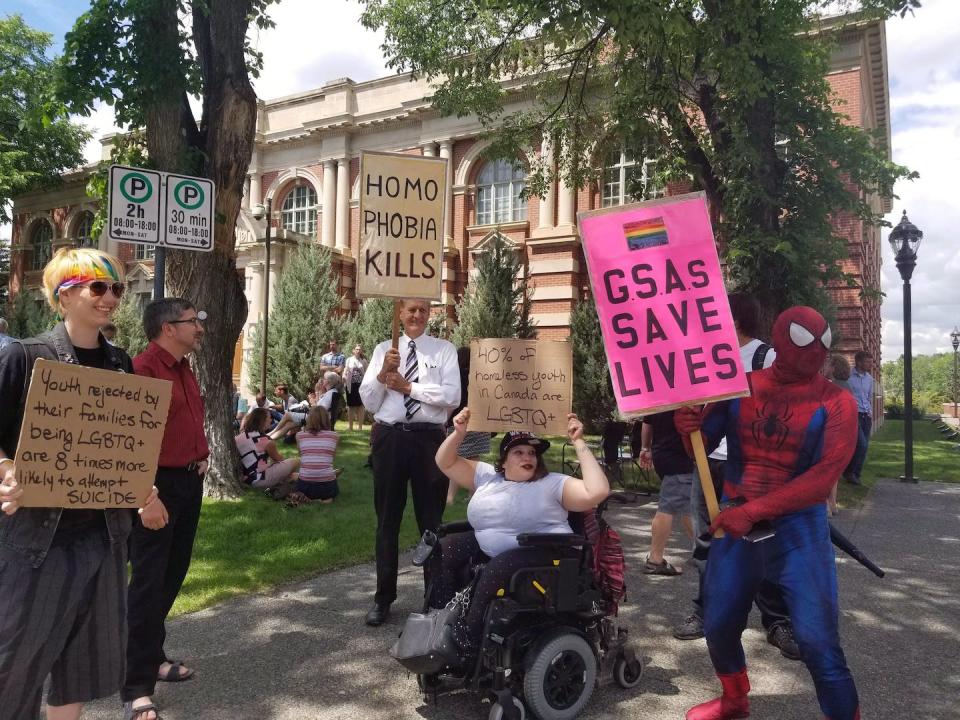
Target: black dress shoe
[[378, 615]]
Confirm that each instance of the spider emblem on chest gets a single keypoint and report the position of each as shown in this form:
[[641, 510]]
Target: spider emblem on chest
[[770, 426]]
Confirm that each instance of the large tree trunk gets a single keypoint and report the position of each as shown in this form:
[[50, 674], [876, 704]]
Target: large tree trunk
[[226, 136]]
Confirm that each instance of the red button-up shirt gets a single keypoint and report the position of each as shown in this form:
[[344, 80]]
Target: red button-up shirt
[[183, 438]]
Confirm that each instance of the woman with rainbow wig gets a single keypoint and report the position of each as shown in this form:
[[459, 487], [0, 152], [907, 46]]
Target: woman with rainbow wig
[[62, 571]]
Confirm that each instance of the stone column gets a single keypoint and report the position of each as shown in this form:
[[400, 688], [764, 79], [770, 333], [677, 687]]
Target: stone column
[[429, 150], [547, 201], [446, 151], [255, 197], [329, 203], [566, 200], [343, 205]]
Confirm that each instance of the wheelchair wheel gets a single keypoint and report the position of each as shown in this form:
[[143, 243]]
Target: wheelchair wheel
[[627, 674], [496, 710], [560, 677]]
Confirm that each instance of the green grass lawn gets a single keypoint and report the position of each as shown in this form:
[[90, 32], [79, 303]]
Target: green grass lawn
[[933, 458]]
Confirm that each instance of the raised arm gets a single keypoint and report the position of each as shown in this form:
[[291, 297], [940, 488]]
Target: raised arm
[[580, 495], [460, 470]]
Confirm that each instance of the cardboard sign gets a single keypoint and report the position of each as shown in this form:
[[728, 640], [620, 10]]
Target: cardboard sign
[[402, 205], [90, 437], [663, 309], [520, 385]]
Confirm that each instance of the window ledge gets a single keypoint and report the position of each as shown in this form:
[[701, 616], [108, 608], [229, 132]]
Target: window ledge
[[502, 227]]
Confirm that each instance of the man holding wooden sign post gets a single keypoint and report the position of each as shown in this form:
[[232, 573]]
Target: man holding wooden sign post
[[413, 381], [787, 442], [86, 442]]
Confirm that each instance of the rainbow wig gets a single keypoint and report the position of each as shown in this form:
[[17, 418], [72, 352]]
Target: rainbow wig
[[75, 266]]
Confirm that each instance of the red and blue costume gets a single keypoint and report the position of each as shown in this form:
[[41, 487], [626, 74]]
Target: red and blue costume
[[786, 445]]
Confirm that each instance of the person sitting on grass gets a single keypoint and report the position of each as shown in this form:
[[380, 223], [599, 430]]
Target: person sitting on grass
[[257, 449], [317, 443]]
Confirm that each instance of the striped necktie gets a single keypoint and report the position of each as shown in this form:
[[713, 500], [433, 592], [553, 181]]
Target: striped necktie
[[411, 375]]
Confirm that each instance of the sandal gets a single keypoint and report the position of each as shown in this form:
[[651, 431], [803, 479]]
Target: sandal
[[660, 568], [176, 673], [140, 713]]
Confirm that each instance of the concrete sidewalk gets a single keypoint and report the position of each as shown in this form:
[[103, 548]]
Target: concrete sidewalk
[[304, 652]]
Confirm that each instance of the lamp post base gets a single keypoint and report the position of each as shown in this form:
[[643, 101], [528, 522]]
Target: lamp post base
[[905, 479]]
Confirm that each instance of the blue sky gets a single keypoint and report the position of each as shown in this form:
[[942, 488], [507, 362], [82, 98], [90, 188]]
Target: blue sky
[[924, 70]]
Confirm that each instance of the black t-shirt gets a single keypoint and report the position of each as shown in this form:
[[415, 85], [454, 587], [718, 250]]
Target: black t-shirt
[[669, 455], [13, 367]]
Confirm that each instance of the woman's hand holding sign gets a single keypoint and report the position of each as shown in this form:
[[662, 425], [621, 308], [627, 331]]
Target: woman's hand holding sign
[[10, 490]]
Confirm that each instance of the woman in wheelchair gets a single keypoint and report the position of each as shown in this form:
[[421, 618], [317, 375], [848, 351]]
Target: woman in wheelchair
[[517, 495]]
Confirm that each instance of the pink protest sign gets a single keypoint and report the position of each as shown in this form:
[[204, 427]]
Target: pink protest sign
[[663, 309]]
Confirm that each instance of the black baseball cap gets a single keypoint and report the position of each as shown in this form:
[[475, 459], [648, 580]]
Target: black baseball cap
[[520, 437]]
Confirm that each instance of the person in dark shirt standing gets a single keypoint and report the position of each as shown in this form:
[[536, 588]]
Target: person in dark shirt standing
[[62, 572], [160, 558], [675, 468]]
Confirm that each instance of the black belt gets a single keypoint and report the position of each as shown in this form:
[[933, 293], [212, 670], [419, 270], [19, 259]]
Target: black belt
[[413, 427], [863, 413], [192, 467]]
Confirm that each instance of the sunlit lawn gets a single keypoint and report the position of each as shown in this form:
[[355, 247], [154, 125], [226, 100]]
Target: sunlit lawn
[[934, 458]]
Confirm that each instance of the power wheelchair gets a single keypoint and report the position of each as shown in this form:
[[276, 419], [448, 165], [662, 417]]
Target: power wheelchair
[[549, 639]]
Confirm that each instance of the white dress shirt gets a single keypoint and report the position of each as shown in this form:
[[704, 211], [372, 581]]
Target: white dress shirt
[[437, 389]]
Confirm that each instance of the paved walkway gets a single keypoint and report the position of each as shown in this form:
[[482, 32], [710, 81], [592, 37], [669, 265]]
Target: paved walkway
[[303, 652]]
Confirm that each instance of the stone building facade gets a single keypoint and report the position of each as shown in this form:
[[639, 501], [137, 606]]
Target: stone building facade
[[306, 163]]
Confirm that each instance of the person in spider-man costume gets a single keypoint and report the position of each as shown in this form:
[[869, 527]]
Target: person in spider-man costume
[[787, 443]]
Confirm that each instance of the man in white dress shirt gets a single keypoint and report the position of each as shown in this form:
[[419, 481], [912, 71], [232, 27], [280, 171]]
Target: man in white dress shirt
[[410, 391]]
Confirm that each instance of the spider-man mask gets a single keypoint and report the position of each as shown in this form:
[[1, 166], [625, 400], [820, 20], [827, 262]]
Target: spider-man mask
[[801, 337]]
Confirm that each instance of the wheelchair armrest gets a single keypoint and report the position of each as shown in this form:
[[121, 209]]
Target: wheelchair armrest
[[454, 527], [550, 540]]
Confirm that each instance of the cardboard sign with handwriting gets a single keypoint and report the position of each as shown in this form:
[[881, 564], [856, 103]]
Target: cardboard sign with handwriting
[[90, 437], [520, 385], [402, 206]]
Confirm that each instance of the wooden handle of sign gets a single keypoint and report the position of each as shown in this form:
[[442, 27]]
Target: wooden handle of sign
[[706, 481], [396, 324]]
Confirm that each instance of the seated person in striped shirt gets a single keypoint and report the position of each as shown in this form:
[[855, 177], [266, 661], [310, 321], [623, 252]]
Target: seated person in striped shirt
[[257, 449], [317, 443]]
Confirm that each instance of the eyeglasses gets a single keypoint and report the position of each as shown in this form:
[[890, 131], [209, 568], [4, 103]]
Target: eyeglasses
[[196, 321], [98, 288]]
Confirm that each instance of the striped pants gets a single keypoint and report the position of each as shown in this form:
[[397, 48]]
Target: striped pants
[[65, 619]]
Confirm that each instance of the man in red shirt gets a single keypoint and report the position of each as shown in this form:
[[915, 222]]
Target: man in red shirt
[[160, 558]]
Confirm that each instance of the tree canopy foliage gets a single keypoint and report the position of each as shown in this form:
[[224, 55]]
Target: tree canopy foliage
[[730, 93], [932, 381], [37, 139]]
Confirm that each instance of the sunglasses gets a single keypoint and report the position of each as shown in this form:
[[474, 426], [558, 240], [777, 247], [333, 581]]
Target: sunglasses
[[98, 288]]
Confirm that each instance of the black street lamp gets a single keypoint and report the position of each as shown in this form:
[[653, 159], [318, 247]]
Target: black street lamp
[[955, 338], [259, 212], [905, 240]]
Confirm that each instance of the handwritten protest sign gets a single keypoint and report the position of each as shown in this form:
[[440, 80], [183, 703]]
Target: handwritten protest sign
[[402, 205], [90, 438], [520, 385], [664, 315]]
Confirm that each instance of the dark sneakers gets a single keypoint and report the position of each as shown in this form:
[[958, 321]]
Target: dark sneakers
[[690, 629], [781, 636], [378, 615]]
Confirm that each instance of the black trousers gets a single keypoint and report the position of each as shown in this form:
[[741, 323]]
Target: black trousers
[[159, 561], [769, 598], [399, 457]]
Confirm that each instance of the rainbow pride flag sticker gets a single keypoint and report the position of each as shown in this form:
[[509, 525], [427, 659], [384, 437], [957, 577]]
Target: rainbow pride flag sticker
[[645, 233]]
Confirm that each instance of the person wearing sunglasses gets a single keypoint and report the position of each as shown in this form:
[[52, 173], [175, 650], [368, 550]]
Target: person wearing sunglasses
[[160, 558], [62, 571]]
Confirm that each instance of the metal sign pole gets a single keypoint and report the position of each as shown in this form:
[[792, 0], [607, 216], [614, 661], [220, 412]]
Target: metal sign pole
[[159, 271]]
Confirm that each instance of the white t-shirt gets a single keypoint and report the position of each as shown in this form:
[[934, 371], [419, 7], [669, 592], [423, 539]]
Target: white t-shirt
[[746, 357], [500, 509]]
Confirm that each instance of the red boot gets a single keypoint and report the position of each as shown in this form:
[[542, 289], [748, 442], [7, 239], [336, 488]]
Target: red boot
[[732, 704]]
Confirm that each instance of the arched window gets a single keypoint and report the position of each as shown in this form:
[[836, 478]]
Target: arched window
[[499, 186], [299, 212], [626, 180], [41, 245], [84, 231]]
